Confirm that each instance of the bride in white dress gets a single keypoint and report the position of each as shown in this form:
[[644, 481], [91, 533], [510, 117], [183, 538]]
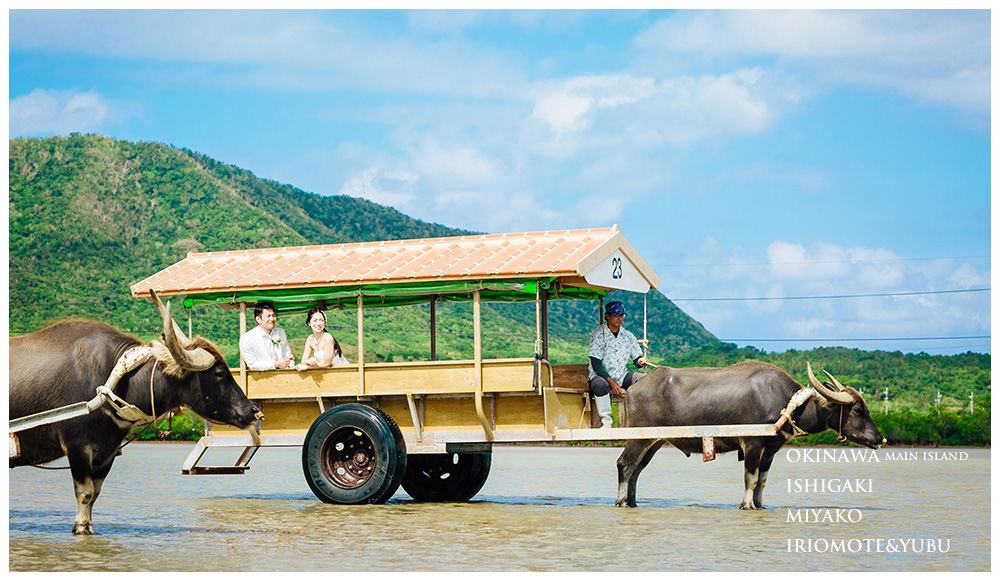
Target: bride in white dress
[[322, 350]]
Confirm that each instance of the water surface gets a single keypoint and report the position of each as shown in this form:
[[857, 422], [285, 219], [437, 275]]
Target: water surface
[[542, 509]]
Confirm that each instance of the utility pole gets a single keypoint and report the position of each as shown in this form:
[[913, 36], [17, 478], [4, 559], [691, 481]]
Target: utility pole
[[972, 403], [887, 400], [937, 400]]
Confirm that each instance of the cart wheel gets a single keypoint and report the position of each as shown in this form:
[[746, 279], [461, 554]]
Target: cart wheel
[[446, 477], [354, 454]]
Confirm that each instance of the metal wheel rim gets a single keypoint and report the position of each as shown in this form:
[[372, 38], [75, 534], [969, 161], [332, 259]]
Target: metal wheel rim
[[438, 472], [349, 457]]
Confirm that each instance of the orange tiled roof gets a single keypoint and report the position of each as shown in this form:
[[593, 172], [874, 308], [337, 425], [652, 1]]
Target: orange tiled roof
[[565, 253]]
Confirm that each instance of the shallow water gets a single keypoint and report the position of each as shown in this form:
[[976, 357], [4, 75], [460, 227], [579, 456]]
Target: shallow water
[[542, 509]]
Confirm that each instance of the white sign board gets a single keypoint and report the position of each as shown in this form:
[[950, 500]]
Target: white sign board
[[617, 272]]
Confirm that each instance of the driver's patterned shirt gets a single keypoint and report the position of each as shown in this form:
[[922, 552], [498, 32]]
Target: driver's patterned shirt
[[614, 352]]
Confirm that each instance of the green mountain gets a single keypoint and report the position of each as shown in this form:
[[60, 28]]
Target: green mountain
[[90, 215]]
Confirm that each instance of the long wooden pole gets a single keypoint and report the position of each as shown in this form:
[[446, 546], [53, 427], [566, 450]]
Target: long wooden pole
[[477, 331], [243, 364], [361, 346]]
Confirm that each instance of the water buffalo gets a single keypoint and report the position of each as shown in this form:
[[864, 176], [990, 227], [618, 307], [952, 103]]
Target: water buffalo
[[64, 363], [751, 392]]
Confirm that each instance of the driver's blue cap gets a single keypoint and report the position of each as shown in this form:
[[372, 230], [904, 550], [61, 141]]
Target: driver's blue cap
[[614, 308]]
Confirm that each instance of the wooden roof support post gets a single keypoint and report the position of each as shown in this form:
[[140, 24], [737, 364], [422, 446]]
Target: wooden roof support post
[[538, 319], [477, 331], [545, 324], [243, 364], [361, 345], [433, 328], [645, 340]]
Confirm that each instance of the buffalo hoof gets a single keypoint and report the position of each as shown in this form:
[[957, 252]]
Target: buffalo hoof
[[87, 529]]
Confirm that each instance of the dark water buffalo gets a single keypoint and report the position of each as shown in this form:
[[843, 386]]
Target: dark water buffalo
[[751, 392], [64, 363]]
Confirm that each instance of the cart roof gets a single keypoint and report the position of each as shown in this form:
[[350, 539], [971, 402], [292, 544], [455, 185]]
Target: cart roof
[[576, 263]]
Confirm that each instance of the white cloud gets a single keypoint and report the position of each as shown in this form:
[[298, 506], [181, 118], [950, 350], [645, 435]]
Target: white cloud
[[792, 269], [46, 111], [567, 106], [389, 188], [933, 56], [604, 113], [286, 50], [459, 166], [965, 276], [492, 211]]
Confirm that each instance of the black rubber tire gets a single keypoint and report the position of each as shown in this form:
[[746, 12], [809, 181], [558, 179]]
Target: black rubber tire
[[446, 477], [354, 454]]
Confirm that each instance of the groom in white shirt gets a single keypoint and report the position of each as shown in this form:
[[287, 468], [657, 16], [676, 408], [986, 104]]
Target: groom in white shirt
[[265, 346]]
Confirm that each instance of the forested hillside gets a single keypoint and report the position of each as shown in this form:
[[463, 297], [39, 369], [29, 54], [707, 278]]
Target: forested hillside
[[90, 215], [911, 380]]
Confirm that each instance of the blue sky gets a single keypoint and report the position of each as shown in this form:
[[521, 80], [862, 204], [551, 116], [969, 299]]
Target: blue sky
[[745, 154]]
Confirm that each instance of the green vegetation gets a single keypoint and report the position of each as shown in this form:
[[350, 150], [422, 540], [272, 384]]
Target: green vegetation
[[928, 401], [913, 381], [184, 427], [909, 427], [90, 215]]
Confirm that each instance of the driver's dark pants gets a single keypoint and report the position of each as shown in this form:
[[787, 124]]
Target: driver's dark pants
[[600, 386]]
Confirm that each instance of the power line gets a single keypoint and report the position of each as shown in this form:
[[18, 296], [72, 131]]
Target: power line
[[858, 339], [902, 294], [872, 261]]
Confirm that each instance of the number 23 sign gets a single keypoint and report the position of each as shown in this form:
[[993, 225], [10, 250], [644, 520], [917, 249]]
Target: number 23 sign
[[617, 272]]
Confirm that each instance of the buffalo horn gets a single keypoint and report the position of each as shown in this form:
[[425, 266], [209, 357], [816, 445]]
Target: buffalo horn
[[193, 359], [840, 397], [165, 313], [834, 380]]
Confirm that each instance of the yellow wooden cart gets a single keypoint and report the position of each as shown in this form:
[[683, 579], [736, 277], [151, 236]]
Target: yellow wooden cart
[[367, 428]]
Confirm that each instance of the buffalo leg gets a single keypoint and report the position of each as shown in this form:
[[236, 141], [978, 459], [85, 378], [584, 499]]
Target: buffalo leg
[[634, 458], [758, 456], [765, 467], [85, 496], [752, 477], [87, 483]]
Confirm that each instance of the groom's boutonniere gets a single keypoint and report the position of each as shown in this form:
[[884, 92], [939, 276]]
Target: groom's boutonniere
[[275, 340]]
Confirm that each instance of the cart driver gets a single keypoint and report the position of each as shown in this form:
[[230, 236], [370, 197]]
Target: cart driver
[[611, 347], [265, 346]]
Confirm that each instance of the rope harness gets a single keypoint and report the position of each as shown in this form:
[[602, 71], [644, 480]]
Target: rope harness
[[130, 360], [797, 400], [840, 431], [800, 397]]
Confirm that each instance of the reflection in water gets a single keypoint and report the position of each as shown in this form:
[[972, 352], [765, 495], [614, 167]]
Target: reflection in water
[[542, 509]]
